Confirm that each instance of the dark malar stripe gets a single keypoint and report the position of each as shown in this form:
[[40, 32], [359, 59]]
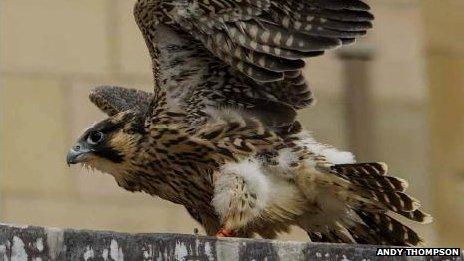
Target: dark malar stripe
[[110, 154]]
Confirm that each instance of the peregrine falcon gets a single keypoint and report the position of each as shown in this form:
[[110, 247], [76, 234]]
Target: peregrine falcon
[[219, 133]]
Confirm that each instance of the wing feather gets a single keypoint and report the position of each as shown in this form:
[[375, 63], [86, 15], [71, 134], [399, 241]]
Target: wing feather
[[261, 43], [113, 99], [288, 29]]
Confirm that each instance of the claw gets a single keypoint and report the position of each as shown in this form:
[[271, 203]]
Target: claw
[[225, 233]]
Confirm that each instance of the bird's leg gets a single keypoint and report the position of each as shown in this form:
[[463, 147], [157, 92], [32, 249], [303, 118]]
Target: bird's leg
[[238, 198], [234, 212], [225, 233]]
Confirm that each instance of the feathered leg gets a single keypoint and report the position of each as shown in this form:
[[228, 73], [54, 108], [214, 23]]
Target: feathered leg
[[240, 195]]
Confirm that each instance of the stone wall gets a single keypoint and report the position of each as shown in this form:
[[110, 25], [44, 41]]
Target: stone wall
[[38, 243]]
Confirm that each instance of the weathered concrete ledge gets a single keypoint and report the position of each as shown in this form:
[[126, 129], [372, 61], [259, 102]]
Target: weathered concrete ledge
[[38, 243]]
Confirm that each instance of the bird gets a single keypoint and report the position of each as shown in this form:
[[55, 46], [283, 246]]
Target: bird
[[219, 133]]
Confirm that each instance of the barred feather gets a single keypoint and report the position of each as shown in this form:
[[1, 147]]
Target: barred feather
[[416, 215], [373, 194], [293, 90], [371, 175], [374, 187], [363, 234], [289, 29], [390, 230], [221, 47], [272, 63], [271, 35], [238, 137], [395, 201]]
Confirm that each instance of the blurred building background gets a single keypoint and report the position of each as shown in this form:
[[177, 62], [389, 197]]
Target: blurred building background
[[394, 97]]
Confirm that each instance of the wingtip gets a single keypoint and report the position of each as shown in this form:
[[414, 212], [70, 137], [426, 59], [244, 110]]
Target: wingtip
[[364, 6], [369, 16], [384, 166], [427, 219], [415, 204], [94, 93], [404, 183]]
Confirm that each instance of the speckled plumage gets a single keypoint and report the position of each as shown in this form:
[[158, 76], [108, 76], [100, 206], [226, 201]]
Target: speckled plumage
[[219, 134]]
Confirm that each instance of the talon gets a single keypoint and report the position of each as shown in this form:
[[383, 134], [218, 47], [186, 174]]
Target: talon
[[225, 233]]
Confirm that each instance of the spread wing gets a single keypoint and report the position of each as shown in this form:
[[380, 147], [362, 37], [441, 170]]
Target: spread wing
[[244, 53], [113, 99], [263, 39]]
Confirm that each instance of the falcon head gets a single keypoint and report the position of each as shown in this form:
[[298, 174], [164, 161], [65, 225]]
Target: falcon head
[[109, 144]]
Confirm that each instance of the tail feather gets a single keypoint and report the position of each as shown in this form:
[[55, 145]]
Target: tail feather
[[371, 175], [316, 237], [335, 235], [390, 230], [375, 168], [371, 185], [417, 215], [395, 201], [355, 195], [378, 227], [363, 234], [372, 195]]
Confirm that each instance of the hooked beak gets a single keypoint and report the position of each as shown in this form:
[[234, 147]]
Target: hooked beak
[[77, 154]]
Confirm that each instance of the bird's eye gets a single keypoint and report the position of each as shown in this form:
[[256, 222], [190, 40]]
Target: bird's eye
[[95, 137]]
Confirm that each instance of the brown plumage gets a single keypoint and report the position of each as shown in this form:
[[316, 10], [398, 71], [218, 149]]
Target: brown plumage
[[219, 134]]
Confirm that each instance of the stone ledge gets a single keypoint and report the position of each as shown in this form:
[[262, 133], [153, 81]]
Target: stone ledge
[[38, 243]]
